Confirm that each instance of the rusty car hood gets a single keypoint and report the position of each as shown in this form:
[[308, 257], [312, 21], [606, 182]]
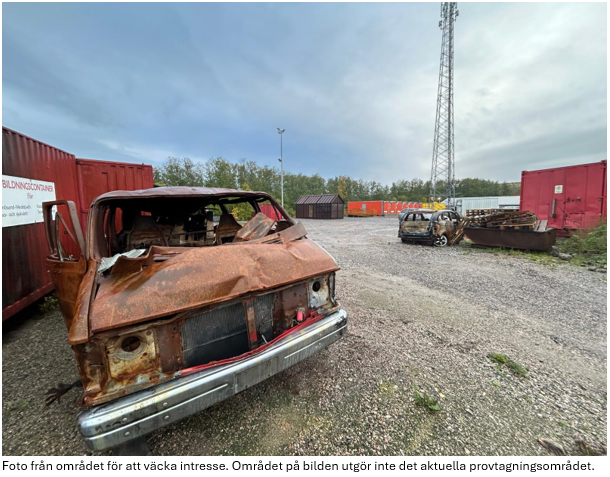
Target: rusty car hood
[[203, 276]]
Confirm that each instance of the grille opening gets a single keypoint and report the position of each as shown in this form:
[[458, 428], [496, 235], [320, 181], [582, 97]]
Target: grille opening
[[222, 333]]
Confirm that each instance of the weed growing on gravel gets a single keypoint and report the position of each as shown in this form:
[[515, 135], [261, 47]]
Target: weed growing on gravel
[[515, 367], [15, 406], [496, 385], [425, 400], [388, 389], [562, 424], [498, 358], [48, 304]]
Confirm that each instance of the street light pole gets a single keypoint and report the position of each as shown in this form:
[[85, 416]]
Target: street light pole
[[281, 159]]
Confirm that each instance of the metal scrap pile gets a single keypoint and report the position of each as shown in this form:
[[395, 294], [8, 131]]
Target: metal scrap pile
[[501, 219]]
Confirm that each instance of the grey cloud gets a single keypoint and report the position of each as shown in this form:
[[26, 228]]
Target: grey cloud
[[353, 84]]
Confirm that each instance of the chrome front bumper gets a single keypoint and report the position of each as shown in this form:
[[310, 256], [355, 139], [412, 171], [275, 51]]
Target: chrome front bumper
[[120, 421]]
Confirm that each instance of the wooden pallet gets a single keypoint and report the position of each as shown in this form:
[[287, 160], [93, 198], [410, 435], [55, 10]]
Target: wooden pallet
[[502, 218]]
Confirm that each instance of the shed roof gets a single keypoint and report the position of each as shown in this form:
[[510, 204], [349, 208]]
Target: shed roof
[[319, 199]]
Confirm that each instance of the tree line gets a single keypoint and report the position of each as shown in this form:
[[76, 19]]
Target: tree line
[[248, 175]]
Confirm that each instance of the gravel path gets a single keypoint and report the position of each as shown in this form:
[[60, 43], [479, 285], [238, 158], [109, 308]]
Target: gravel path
[[418, 316]]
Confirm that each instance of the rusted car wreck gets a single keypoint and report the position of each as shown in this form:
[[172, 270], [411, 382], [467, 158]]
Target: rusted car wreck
[[173, 305], [441, 227]]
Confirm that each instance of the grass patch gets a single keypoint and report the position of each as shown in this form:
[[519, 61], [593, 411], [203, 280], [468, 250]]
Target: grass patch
[[498, 358], [388, 389], [496, 385], [562, 424], [424, 400], [517, 369], [588, 247], [513, 366], [540, 257], [13, 406]]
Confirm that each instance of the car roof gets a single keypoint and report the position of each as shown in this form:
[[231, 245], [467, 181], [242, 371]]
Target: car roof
[[157, 192], [422, 211]]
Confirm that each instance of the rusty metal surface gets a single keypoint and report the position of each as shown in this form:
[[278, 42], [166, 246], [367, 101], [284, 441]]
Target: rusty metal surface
[[444, 227], [248, 305], [201, 338], [138, 415], [203, 276], [171, 308], [288, 301], [95, 233], [510, 238], [76, 233], [170, 351], [257, 227], [67, 276], [179, 191], [79, 327], [24, 271]]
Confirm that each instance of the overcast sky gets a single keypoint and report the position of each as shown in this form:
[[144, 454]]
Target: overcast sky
[[354, 85]]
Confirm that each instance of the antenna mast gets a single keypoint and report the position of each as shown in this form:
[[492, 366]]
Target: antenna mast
[[443, 160]]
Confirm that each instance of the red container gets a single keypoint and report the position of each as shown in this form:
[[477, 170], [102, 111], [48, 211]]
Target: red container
[[570, 198], [24, 247], [368, 207], [24, 273], [98, 177], [270, 211]]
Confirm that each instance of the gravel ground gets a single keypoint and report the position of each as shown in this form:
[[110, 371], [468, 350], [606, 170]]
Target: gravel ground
[[418, 316]]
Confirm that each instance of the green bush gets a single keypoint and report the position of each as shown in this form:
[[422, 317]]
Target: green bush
[[48, 303], [588, 245]]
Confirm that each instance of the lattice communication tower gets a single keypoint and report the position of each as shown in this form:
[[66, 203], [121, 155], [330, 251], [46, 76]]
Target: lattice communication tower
[[443, 155]]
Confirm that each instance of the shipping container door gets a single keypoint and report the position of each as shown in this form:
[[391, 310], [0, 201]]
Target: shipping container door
[[92, 182], [575, 191], [557, 189], [584, 196]]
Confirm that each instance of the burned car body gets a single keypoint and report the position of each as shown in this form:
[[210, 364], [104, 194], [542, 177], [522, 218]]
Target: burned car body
[[174, 305], [424, 225]]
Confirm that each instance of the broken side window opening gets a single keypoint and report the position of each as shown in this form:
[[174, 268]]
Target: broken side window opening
[[421, 217], [64, 234]]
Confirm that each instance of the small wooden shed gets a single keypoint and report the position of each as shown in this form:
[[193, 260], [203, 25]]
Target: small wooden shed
[[323, 206]]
